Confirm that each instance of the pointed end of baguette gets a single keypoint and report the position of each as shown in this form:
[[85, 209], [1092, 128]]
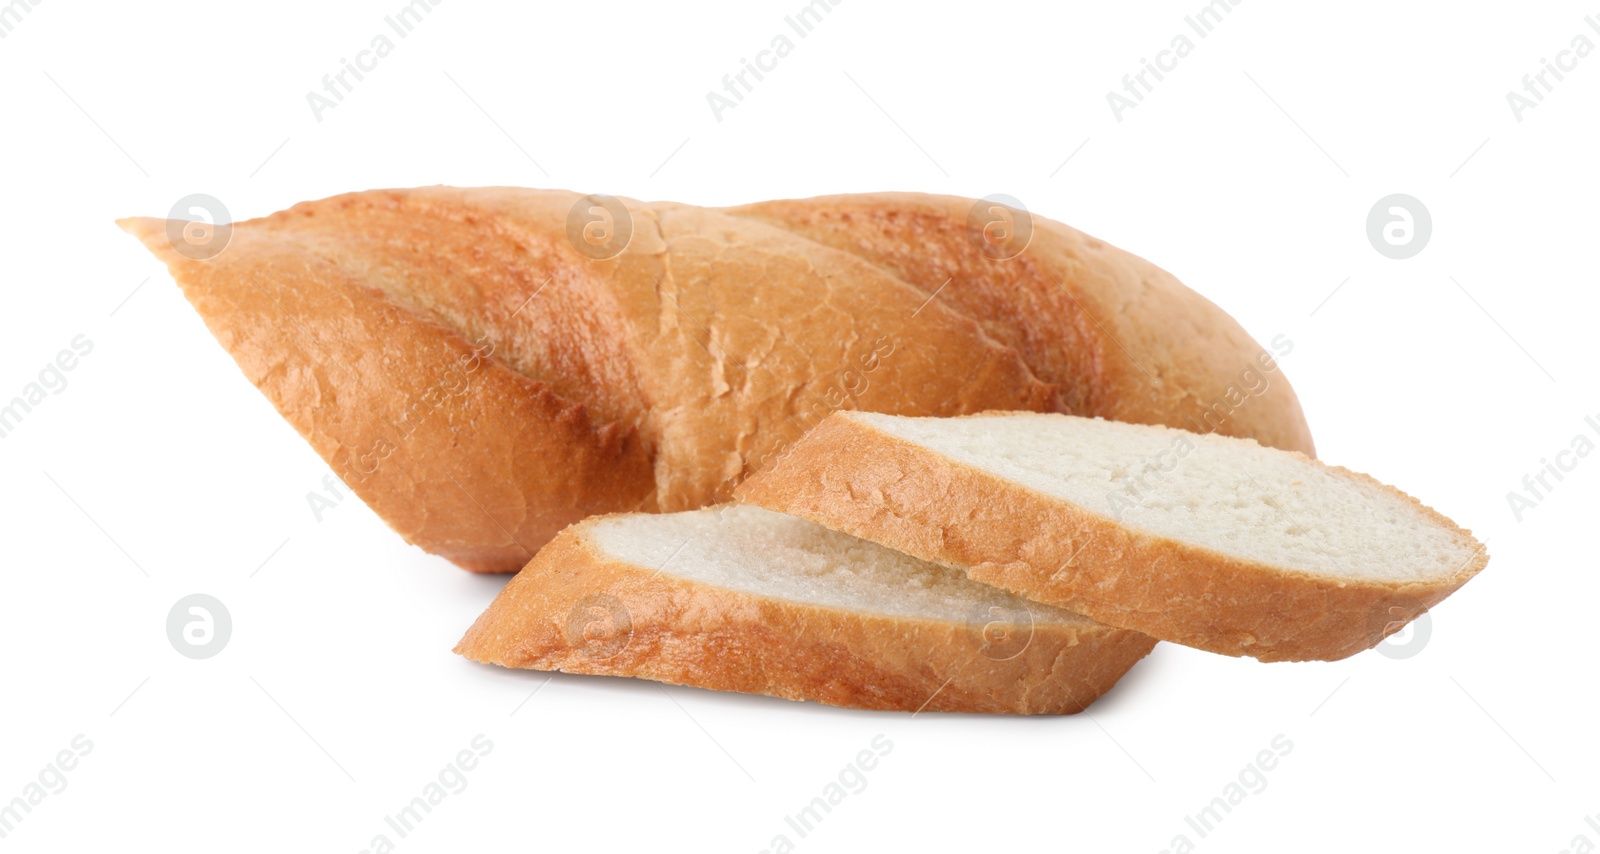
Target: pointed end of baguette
[[140, 225], [148, 229], [478, 643], [152, 232], [174, 244], [468, 647]]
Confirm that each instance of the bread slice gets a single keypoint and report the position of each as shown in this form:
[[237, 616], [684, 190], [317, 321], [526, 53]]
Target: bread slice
[[1204, 540], [738, 598]]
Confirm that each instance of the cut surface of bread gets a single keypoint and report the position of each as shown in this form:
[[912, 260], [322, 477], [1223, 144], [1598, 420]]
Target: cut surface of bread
[[1205, 540], [739, 598]]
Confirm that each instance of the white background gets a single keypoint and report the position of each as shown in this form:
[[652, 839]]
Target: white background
[[1248, 172]]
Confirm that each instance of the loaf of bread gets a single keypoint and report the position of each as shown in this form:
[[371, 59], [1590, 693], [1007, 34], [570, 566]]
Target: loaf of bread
[[1204, 540], [737, 598], [485, 367]]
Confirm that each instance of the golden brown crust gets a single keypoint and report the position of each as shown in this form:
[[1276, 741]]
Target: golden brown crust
[[848, 476], [749, 335], [1121, 337], [456, 451], [659, 377], [578, 610]]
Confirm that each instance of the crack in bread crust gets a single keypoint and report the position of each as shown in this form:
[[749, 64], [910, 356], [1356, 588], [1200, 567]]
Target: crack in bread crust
[[935, 290]]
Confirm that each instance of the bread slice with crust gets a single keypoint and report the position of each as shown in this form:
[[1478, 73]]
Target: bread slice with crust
[[1205, 540], [738, 598]]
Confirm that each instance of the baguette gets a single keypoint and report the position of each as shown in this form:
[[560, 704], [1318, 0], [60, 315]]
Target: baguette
[[1209, 541], [482, 375], [738, 598]]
